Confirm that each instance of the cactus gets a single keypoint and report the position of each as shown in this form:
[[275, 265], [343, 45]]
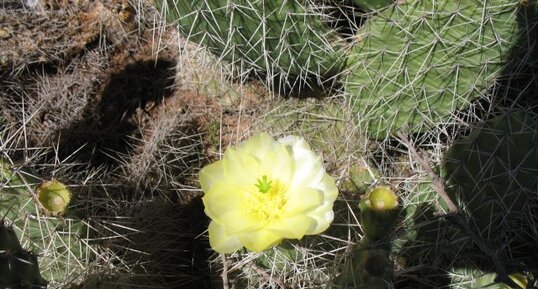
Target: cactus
[[463, 278], [492, 173], [372, 4], [379, 212], [417, 63], [60, 242], [286, 38], [18, 267], [370, 264], [54, 196]]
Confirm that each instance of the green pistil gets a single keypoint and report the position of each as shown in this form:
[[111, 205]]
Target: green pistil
[[264, 185]]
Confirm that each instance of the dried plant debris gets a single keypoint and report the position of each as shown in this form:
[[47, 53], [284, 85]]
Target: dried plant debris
[[53, 32]]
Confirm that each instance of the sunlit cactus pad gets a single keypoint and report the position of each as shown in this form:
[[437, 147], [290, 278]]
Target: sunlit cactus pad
[[416, 63], [274, 37]]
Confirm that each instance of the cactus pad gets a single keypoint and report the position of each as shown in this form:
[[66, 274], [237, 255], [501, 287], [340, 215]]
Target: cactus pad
[[416, 63], [492, 173], [61, 244], [275, 37]]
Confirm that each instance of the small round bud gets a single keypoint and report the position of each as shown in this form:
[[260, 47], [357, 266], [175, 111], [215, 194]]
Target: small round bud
[[383, 199], [54, 196]]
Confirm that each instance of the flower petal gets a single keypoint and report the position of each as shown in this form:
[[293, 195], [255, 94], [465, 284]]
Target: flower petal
[[278, 164], [237, 221], [324, 216], [308, 169], [258, 145], [221, 199], [294, 227], [329, 188], [221, 242], [211, 175], [294, 142], [303, 199], [240, 168], [259, 240]]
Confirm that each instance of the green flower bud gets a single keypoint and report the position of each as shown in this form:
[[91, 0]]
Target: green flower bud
[[382, 199], [54, 196], [379, 212]]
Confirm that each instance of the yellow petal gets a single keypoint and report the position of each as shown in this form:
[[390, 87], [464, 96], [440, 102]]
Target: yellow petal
[[294, 227], [303, 199], [221, 242], [259, 240], [237, 221], [324, 216], [240, 168], [308, 170], [258, 145], [211, 175], [329, 188], [278, 164], [295, 142], [221, 199]]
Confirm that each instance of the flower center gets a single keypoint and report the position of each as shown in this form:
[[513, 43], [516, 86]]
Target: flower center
[[266, 203], [264, 185]]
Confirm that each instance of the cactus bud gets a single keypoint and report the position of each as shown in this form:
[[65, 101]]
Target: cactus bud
[[54, 196], [379, 212]]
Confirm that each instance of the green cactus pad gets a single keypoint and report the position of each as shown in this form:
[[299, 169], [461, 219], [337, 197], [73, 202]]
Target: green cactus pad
[[492, 173], [367, 268], [61, 244], [416, 63], [275, 37]]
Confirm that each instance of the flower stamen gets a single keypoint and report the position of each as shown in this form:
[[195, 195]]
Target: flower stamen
[[264, 185]]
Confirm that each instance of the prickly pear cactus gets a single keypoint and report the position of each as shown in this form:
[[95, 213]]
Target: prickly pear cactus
[[370, 264], [61, 243], [492, 172], [416, 63], [273, 37], [372, 4], [379, 212], [18, 267]]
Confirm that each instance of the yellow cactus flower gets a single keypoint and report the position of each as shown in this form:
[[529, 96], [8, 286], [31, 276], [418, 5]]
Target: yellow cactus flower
[[263, 191]]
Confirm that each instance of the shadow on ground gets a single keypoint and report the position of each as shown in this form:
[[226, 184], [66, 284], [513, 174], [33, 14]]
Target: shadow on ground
[[110, 128]]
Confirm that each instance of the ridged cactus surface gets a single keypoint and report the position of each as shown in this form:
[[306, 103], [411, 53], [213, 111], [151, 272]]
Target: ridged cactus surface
[[416, 63], [282, 37]]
